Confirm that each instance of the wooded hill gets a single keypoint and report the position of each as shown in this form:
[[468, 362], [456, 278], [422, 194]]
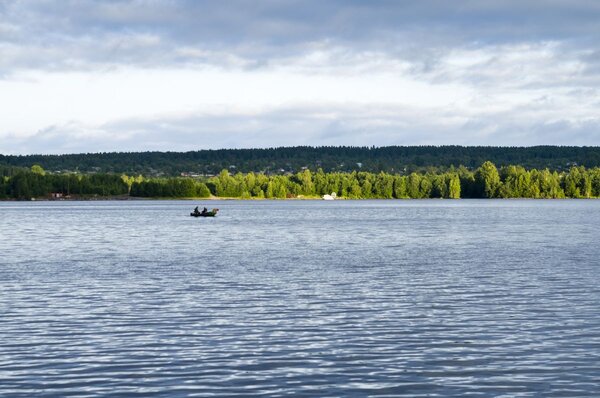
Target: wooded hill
[[391, 159]]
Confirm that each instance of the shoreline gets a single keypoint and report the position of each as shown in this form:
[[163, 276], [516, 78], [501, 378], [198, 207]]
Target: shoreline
[[216, 198]]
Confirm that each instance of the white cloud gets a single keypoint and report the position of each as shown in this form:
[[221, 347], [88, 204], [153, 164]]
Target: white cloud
[[95, 98], [151, 75]]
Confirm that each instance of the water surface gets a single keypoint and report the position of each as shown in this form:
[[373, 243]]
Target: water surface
[[300, 298]]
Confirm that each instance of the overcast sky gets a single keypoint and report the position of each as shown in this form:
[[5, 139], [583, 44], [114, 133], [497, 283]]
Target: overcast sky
[[89, 76]]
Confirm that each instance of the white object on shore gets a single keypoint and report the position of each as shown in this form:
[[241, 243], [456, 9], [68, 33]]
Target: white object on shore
[[330, 197]]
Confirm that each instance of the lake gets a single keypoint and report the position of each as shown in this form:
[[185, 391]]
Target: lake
[[436, 298]]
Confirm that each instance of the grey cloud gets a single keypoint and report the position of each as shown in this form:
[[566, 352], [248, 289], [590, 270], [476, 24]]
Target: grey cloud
[[88, 33], [416, 38]]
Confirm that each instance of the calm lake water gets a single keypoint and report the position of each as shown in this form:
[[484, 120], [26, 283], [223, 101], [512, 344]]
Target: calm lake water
[[287, 298]]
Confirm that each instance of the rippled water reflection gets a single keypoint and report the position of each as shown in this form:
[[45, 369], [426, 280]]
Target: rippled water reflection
[[387, 298]]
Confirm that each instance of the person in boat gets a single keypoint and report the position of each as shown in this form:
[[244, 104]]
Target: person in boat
[[196, 211], [204, 211]]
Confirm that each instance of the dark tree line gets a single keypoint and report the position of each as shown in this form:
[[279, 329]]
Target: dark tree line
[[170, 188], [25, 184], [392, 159], [487, 181]]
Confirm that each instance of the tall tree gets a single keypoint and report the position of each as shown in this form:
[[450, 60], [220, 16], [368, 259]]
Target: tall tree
[[487, 180]]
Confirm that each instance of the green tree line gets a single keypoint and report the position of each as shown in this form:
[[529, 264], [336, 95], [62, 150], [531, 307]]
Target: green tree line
[[487, 181], [390, 159]]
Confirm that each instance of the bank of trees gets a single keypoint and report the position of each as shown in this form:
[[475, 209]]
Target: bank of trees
[[34, 183], [487, 181], [169, 188], [355, 185], [391, 159]]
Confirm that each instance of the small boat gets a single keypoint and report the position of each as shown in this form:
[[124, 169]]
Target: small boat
[[211, 213], [330, 197]]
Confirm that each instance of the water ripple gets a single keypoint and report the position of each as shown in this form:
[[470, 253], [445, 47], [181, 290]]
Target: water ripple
[[370, 298]]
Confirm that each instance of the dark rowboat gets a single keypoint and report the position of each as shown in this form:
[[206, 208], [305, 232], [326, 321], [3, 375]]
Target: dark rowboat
[[211, 213]]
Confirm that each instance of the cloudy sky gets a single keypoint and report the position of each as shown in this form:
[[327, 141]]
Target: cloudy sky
[[89, 76]]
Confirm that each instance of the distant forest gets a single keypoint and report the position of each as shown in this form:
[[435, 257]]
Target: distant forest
[[401, 160]]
